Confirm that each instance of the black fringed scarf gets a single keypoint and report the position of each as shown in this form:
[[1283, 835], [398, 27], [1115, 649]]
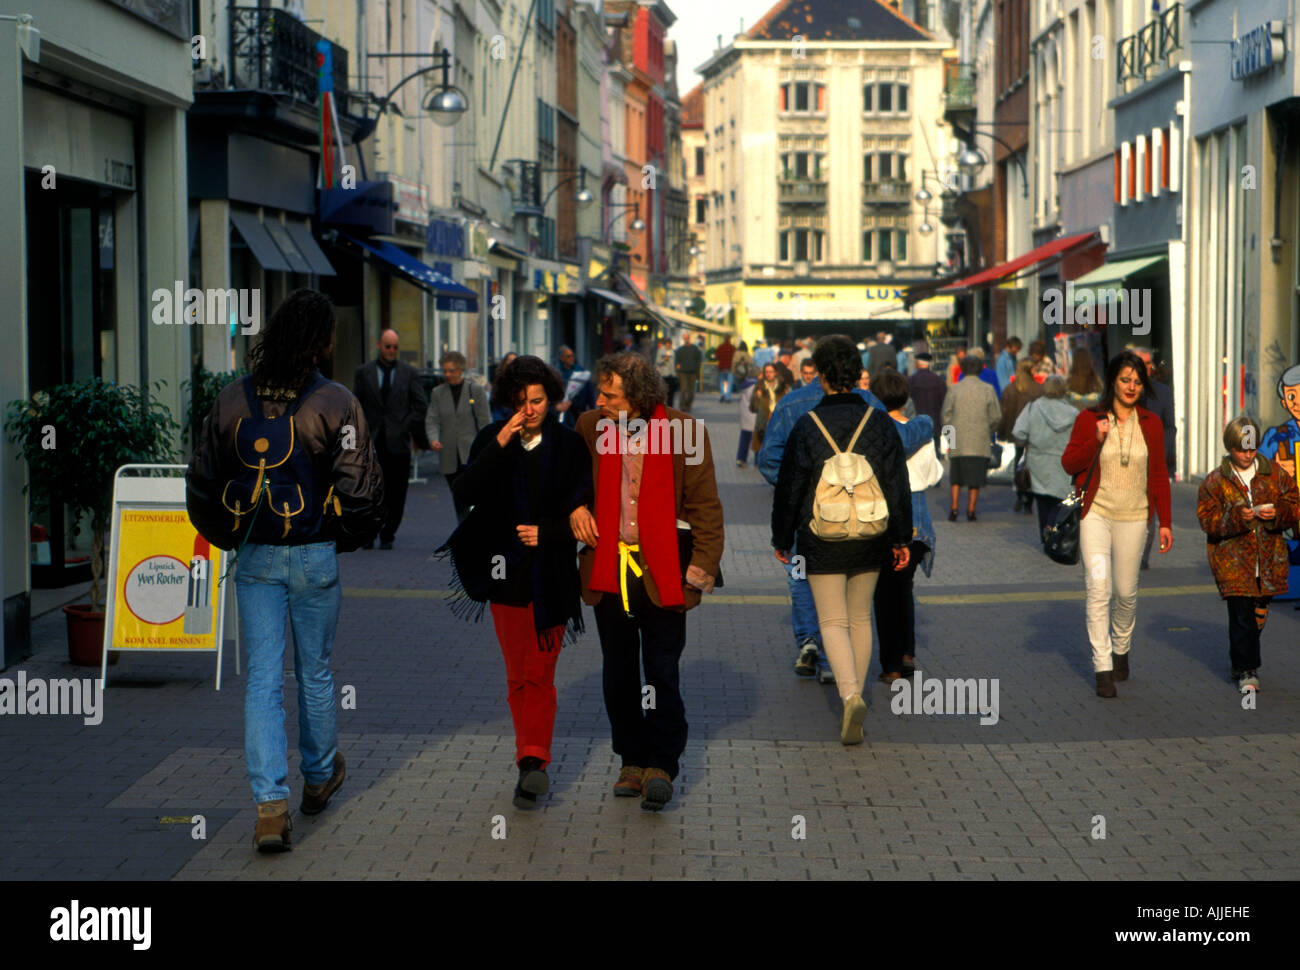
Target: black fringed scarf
[[502, 501]]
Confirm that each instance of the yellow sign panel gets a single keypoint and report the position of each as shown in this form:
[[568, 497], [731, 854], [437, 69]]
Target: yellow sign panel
[[165, 579]]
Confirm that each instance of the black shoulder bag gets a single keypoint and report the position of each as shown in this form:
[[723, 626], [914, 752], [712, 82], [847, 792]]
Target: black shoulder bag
[[1061, 538]]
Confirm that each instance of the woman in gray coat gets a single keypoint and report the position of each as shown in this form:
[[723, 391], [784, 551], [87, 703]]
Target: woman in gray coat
[[1044, 428], [971, 409]]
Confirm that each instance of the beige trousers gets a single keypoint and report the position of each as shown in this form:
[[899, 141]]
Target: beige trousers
[[844, 617]]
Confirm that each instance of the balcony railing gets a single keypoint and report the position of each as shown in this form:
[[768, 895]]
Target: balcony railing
[[272, 51], [887, 192], [1151, 47], [958, 87], [796, 190]]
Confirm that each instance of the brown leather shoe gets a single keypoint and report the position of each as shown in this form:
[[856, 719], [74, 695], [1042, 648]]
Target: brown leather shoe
[[273, 827], [316, 797], [1106, 684], [629, 782], [658, 789], [1120, 661]]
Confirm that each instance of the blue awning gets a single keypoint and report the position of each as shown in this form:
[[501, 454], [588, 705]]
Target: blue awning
[[450, 294]]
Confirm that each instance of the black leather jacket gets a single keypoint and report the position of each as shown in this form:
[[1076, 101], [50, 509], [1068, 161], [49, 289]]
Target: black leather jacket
[[319, 424]]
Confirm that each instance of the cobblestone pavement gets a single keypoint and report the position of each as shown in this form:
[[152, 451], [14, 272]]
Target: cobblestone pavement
[[1188, 784]]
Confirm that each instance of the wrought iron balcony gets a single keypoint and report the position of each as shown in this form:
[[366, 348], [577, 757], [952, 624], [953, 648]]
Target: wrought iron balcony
[[887, 192], [1151, 47], [270, 50], [801, 190]]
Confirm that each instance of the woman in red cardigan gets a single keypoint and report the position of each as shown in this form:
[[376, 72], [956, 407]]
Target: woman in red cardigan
[[1129, 480]]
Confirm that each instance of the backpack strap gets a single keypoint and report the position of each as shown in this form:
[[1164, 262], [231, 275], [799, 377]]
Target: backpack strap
[[315, 384], [250, 395], [829, 440], [861, 424]]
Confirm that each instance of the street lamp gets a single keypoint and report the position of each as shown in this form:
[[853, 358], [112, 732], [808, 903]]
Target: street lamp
[[447, 103], [582, 198], [636, 225], [970, 162]]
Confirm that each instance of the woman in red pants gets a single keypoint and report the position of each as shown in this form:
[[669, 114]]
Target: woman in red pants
[[516, 551]]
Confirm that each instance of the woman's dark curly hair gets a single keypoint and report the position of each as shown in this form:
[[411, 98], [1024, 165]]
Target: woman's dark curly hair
[[1117, 364], [514, 378], [838, 361], [294, 341], [642, 385]]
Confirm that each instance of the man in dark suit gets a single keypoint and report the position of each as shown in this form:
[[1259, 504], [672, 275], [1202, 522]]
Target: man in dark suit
[[928, 390], [394, 403]]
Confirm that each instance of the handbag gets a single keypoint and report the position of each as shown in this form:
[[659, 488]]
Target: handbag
[[1061, 538], [1022, 474], [995, 455]]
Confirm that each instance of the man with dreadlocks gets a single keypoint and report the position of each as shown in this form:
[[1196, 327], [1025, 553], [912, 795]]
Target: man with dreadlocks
[[286, 475]]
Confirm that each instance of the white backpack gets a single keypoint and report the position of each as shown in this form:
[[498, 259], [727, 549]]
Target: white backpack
[[848, 503]]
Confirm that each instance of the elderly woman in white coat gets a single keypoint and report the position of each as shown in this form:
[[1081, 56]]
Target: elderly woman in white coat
[[1044, 428]]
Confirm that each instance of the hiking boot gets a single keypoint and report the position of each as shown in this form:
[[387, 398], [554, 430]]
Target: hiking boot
[[273, 827], [1120, 672], [316, 797], [1106, 684], [629, 782], [658, 789], [1248, 681], [855, 712], [806, 665]]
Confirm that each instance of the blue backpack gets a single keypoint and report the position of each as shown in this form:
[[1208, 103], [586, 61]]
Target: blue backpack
[[274, 495]]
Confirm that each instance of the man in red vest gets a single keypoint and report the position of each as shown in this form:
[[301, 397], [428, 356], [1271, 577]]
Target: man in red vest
[[726, 350]]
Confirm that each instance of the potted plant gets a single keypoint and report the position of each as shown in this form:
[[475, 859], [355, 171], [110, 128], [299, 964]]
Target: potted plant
[[203, 388], [74, 437]]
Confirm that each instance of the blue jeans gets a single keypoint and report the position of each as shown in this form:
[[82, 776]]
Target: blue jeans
[[803, 612], [300, 583], [724, 385]]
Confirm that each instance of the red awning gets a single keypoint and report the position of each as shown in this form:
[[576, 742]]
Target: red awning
[[995, 274]]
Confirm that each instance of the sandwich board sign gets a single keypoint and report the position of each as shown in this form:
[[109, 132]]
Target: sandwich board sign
[[163, 589]]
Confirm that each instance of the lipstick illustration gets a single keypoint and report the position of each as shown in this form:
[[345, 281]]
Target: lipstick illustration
[[198, 608]]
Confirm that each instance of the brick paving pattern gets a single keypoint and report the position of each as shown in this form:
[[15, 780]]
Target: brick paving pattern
[[1191, 786]]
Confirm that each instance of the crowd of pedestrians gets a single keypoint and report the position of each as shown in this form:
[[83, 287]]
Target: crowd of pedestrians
[[550, 515]]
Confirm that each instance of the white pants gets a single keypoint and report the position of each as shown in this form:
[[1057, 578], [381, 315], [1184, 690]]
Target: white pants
[[1111, 553], [844, 618]]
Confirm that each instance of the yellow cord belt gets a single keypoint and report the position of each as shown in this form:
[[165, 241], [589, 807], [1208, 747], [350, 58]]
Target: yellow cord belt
[[626, 562]]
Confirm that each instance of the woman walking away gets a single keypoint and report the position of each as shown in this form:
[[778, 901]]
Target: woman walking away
[[1019, 394], [1043, 429], [1244, 506], [745, 392], [811, 503], [1084, 384], [1126, 443], [894, 602], [516, 551], [971, 409]]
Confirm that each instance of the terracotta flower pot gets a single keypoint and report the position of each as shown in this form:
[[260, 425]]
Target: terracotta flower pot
[[86, 635]]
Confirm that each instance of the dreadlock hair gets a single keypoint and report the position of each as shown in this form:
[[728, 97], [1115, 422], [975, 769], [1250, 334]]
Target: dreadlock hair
[[293, 342]]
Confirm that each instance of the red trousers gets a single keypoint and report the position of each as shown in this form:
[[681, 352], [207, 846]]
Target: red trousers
[[530, 676]]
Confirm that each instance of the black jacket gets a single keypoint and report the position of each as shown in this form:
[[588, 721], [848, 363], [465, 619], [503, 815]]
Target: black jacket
[[497, 481], [322, 426], [806, 452], [928, 391], [394, 423]]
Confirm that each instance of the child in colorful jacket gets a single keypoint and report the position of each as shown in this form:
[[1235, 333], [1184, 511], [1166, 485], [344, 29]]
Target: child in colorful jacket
[[1244, 506]]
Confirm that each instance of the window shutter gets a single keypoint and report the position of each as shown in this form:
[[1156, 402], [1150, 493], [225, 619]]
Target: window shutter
[[785, 98], [1117, 176], [821, 97]]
